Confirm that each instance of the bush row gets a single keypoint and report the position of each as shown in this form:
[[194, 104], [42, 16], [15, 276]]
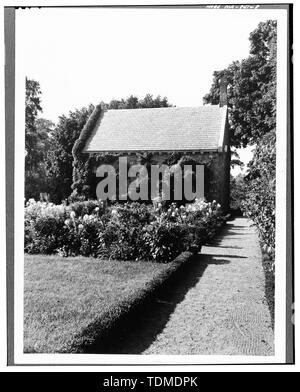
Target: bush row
[[259, 204], [128, 231]]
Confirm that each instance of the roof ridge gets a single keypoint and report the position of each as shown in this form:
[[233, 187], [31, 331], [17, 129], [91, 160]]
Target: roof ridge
[[166, 108]]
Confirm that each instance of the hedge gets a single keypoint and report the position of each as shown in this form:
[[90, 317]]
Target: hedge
[[97, 333]]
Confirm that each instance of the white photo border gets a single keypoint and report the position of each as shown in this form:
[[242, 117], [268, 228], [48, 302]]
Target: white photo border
[[280, 279]]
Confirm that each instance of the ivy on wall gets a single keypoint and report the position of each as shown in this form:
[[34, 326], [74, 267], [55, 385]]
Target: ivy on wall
[[85, 165], [82, 162]]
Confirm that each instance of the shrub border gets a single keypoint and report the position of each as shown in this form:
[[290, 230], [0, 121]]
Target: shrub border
[[99, 329], [269, 272]]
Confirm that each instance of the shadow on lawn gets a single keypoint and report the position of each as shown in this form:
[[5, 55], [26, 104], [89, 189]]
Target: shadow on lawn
[[135, 332]]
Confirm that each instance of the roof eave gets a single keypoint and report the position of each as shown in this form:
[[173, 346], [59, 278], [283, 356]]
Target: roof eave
[[153, 151]]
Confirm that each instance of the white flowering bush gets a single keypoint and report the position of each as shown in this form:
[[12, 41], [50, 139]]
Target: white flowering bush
[[62, 229], [128, 231], [181, 228], [44, 225]]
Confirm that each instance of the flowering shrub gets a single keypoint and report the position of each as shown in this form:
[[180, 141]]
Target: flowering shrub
[[67, 230], [128, 231], [44, 226]]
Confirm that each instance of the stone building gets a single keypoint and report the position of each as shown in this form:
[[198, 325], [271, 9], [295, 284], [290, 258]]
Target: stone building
[[202, 133]]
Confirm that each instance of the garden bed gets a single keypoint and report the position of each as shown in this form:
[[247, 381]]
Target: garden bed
[[120, 231], [70, 303], [80, 279]]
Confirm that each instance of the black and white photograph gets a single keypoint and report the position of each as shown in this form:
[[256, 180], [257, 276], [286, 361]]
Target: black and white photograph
[[152, 205]]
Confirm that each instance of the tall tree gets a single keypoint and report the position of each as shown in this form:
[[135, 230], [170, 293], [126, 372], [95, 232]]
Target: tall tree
[[37, 142], [251, 88], [252, 120], [32, 109]]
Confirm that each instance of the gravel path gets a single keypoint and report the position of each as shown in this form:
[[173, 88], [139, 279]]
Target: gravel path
[[216, 306]]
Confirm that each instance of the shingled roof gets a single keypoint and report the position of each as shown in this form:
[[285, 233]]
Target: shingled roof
[[159, 129]]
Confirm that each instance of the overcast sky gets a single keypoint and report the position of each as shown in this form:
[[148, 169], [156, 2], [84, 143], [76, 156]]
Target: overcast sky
[[83, 56]]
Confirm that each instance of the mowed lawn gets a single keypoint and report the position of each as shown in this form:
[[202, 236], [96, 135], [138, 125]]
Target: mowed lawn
[[64, 295]]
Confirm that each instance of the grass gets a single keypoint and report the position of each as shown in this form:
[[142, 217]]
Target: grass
[[70, 302]]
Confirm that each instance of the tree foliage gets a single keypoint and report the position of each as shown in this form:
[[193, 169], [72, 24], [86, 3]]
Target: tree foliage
[[252, 121], [37, 142], [237, 192], [71, 171], [133, 102], [251, 88], [261, 178], [32, 138], [235, 160]]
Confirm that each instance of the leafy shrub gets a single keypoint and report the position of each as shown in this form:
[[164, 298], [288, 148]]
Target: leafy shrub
[[238, 193], [128, 231], [87, 207], [259, 205]]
